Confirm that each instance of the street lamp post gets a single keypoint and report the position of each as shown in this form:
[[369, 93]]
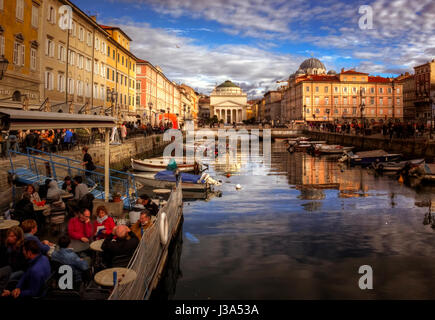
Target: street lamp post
[[3, 66], [112, 95], [305, 112], [150, 105], [327, 112], [362, 106]]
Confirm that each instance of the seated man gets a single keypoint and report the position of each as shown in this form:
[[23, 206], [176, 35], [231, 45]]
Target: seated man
[[67, 256], [142, 224], [80, 188], [80, 227], [144, 202], [30, 228], [32, 282], [122, 242]]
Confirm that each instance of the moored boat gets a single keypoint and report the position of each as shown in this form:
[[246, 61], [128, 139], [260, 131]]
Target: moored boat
[[330, 149], [160, 164], [366, 158], [167, 179], [396, 166]]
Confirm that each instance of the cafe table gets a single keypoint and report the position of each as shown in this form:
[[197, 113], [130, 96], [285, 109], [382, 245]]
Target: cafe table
[[6, 224], [124, 276], [78, 246], [96, 245]]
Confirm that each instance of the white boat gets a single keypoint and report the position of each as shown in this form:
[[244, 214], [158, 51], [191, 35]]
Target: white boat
[[160, 164], [166, 180], [330, 149], [396, 166]]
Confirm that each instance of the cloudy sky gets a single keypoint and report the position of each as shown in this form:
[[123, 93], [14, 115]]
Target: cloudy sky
[[257, 42]]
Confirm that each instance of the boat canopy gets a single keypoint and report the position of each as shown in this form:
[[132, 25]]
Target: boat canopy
[[168, 175]]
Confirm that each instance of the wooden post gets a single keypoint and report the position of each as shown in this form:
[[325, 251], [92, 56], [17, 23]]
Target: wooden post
[[106, 165]]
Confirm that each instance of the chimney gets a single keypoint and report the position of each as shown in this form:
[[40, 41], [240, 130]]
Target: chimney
[[94, 18], [342, 70]]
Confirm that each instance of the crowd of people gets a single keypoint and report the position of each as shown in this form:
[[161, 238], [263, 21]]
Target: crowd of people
[[391, 130], [26, 262]]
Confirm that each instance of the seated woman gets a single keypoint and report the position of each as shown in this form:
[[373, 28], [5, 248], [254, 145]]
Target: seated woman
[[68, 185], [104, 224], [34, 196], [12, 260]]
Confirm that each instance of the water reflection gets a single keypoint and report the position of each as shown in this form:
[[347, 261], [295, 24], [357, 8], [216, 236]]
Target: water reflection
[[260, 238]]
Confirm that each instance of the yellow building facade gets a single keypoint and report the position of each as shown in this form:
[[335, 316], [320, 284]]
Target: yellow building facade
[[121, 73], [20, 22]]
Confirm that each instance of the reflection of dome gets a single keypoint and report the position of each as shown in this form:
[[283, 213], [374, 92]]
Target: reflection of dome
[[332, 72], [312, 66]]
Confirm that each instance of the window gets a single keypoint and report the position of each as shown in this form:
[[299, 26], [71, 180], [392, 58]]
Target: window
[[113, 75], [72, 57], [327, 100], [79, 88], [61, 82], [73, 33], [381, 111], [398, 101], [62, 53], [2, 44], [307, 89], [317, 89], [344, 111], [108, 73], [35, 16], [372, 111], [102, 71], [71, 86], [326, 89], [138, 85], [97, 44], [389, 90], [353, 110], [32, 58], [389, 102], [20, 10], [96, 67], [335, 100], [102, 92], [353, 90], [95, 91], [49, 48], [108, 51], [345, 89], [354, 101], [81, 62], [372, 100], [113, 51], [19, 54], [51, 15], [381, 90], [138, 100], [88, 90], [89, 39], [88, 65], [381, 101], [81, 34], [122, 60], [316, 101], [49, 80]]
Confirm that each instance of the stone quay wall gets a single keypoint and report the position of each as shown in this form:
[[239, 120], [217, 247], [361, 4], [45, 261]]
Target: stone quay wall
[[419, 147]]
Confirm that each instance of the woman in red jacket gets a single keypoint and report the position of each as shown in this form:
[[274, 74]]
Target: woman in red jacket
[[104, 224]]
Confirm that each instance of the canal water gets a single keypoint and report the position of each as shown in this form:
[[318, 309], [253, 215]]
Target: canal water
[[300, 229]]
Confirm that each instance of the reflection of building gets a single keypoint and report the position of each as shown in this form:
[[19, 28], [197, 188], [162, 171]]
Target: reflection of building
[[314, 95], [204, 107], [228, 102]]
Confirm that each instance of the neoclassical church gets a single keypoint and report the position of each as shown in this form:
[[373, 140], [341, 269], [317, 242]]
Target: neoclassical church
[[228, 102]]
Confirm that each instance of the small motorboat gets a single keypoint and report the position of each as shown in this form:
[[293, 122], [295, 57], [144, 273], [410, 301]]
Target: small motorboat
[[167, 180], [160, 164], [396, 166], [366, 158], [331, 149]]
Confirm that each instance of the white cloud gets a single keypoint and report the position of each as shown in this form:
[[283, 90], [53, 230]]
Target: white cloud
[[202, 66]]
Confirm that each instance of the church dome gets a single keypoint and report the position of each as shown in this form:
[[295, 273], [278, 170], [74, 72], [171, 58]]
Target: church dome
[[312, 66], [227, 84], [312, 63]]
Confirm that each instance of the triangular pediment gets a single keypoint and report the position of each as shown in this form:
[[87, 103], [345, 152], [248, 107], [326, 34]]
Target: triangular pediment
[[228, 102]]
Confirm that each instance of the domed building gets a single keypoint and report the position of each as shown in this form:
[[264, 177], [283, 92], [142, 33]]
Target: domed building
[[228, 102], [311, 66]]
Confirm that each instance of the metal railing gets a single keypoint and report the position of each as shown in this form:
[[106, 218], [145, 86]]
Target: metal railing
[[53, 168]]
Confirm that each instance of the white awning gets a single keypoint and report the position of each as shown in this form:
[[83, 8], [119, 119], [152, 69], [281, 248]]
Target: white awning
[[13, 119]]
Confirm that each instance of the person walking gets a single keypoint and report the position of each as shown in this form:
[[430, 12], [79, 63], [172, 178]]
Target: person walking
[[89, 165]]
